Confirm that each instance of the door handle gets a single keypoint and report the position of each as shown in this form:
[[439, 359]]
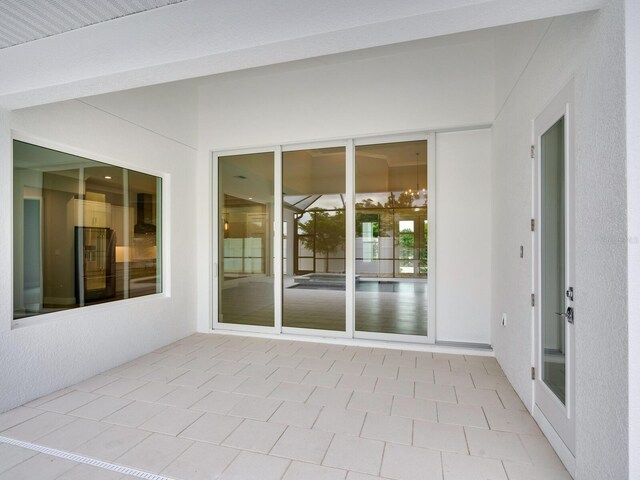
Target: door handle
[[568, 314]]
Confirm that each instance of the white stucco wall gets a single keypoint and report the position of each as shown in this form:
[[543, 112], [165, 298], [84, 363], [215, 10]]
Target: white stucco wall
[[425, 86], [553, 64], [60, 349], [463, 236], [589, 48], [632, 62], [602, 376], [169, 109]]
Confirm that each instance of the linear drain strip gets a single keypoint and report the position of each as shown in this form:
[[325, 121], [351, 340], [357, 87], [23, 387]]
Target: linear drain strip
[[86, 460]]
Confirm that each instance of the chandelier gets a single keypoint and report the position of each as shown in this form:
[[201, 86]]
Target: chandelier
[[411, 193]]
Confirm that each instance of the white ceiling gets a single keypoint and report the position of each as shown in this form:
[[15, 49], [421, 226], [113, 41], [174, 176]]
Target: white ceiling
[[205, 37], [22, 22]]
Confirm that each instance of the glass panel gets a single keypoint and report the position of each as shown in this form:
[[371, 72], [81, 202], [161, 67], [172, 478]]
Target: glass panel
[[391, 238], [99, 226], [143, 233], [246, 239], [74, 232], [553, 259], [313, 213]]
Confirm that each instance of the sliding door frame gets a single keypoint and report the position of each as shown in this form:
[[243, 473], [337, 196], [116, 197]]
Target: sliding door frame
[[216, 284], [348, 332], [430, 138], [349, 145]]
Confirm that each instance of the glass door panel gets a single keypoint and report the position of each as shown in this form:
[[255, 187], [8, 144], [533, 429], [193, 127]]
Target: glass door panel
[[246, 202], [313, 214], [553, 260], [391, 238]]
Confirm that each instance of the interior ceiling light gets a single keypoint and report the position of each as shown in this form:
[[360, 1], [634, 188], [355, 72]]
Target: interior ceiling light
[[107, 177], [417, 192]]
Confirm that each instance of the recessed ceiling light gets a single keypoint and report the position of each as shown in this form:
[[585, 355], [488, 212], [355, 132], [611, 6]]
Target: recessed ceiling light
[[250, 198], [107, 177]]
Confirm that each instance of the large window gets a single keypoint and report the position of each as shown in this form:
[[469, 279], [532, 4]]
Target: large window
[[85, 232]]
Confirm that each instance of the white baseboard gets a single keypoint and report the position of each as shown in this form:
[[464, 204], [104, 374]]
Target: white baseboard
[[319, 337]]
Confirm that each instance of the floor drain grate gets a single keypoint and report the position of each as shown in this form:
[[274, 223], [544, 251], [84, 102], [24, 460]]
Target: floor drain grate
[[86, 460]]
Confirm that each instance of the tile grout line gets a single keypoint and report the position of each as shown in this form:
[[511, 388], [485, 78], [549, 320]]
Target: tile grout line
[[37, 402], [466, 440], [384, 450], [362, 426], [504, 467], [109, 425], [333, 435], [317, 418], [42, 412], [284, 430], [222, 444], [486, 418], [82, 459]]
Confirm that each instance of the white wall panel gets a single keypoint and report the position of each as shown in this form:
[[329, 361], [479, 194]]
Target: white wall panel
[[60, 349], [632, 61], [463, 231]]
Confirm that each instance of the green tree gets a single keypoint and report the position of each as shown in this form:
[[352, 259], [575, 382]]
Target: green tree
[[407, 244], [406, 240], [324, 232], [424, 251], [373, 218]]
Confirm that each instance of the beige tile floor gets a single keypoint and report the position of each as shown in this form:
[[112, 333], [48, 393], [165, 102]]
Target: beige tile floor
[[233, 407]]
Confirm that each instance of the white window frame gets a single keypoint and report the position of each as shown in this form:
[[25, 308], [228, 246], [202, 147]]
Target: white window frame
[[165, 228]]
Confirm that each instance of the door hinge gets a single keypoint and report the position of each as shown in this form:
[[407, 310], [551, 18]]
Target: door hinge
[[533, 224], [533, 373], [533, 299], [533, 151]]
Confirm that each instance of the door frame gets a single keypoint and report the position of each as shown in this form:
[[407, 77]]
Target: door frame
[[349, 145], [555, 419]]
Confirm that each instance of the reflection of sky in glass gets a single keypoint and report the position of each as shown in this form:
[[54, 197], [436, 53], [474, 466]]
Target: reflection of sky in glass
[[294, 199], [302, 220], [373, 199], [328, 202], [400, 199], [298, 202], [310, 202], [406, 225]]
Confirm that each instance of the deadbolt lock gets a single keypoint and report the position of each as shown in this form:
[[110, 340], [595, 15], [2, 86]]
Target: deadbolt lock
[[569, 293]]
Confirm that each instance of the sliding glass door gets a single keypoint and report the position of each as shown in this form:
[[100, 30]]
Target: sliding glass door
[[391, 238], [245, 239], [327, 239], [313, 210]]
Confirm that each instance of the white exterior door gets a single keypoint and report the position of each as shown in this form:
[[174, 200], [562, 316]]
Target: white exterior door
[[555, 298]]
